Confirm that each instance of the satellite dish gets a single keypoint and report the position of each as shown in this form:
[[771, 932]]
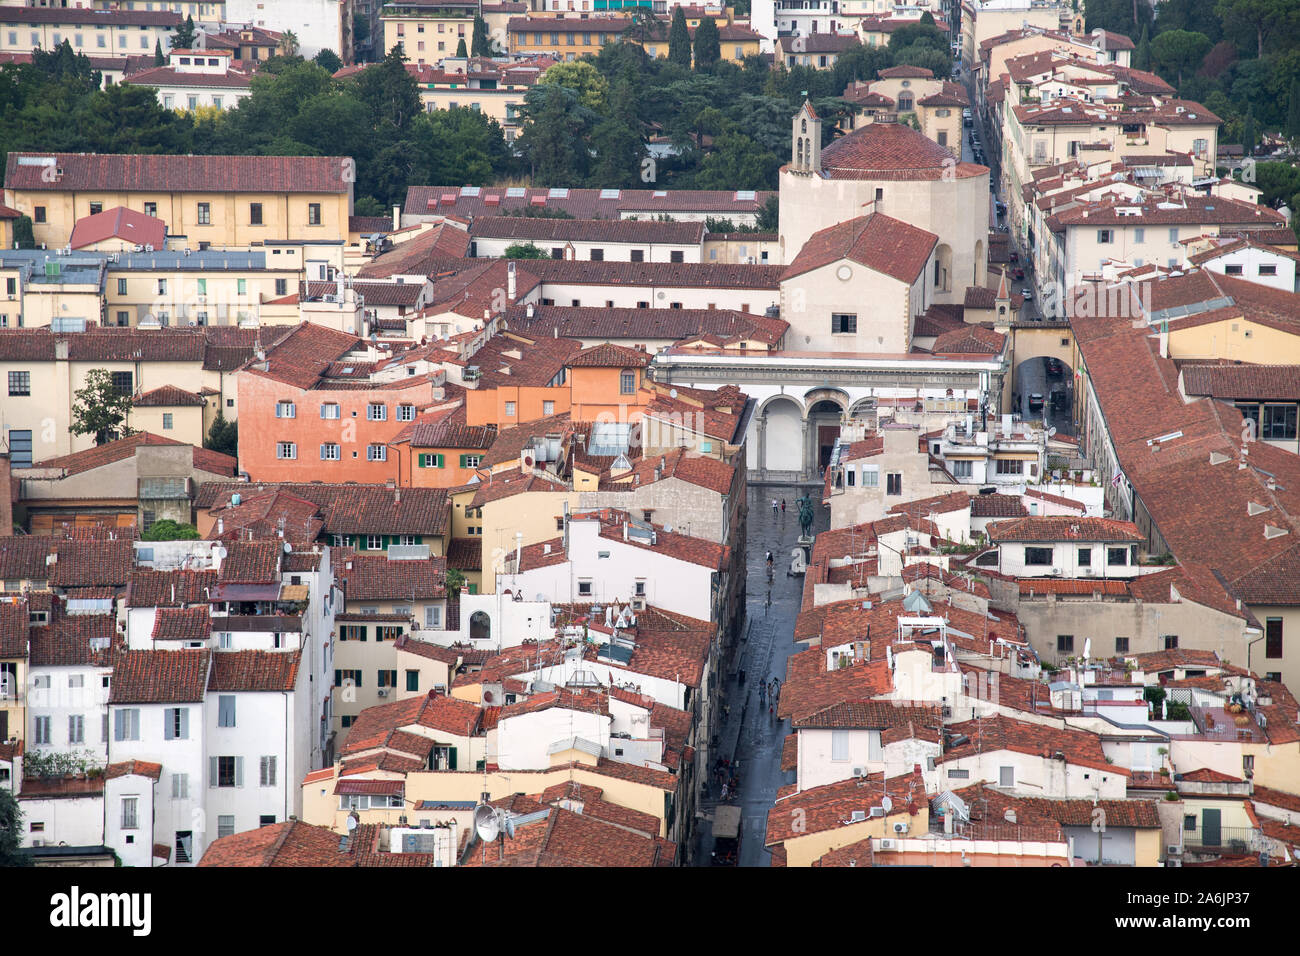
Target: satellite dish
[[486, 823], [1087, 648], [672, 393], [352, 823], [886, 803], [287, 547], [1051, 431]]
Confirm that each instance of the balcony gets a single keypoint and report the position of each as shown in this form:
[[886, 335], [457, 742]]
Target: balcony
[[1234, 840]]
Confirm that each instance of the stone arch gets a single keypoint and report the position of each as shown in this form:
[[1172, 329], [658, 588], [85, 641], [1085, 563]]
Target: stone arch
[[943, 268], [826, 394], [783, 425]]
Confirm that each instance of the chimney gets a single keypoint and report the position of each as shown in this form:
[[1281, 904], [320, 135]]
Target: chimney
[[221, 527], [397, 497], [510, 282], [397, 217], [624, 530]]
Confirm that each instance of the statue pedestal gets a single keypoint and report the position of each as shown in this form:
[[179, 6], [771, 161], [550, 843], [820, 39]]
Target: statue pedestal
[[806, 541]]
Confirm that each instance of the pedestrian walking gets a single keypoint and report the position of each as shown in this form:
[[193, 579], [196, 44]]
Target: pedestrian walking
[[782, 506], [775, 506], [724, 791], [762, 694]]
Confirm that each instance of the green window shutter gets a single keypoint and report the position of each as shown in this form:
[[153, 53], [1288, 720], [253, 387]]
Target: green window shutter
[[361, 632], [424, 461], [451, 758], [462, 461], [438, 461], [419, 539]]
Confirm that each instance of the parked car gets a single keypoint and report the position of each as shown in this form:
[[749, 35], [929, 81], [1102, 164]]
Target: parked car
[[1036, 402], [1018, 273], [966, 118], [1027, 293]]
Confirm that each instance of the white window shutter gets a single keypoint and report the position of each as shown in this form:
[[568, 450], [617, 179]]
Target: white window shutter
[[185, 723], [213, 771], [270, 777], [169, 723], [239, 771], [135, 724]]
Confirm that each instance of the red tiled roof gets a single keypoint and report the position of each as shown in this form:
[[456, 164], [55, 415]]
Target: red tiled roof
[[155, 677], [588, 230], [121, 223], [1267, 382], [92, 563], [879, 242], [182, 624], [419, 256], [1045, 528], [892, 151], [168, 396], [348, 509], [115, 451], [292, 843], [126, 173], [148, 588], [254, 670], [608, 355], [141, 768], [377, 578], [1003, 733]]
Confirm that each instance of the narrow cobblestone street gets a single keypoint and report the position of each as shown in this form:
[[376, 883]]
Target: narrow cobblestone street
[[750, 735]]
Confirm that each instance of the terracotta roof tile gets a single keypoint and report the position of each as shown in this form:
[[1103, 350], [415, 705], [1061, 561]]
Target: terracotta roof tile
[[892, 151], [254, 671], [156, 677], [103, 172], [182, 624], [879, 242], [377, 578]]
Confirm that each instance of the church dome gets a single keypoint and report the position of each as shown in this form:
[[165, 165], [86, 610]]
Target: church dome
[[892, 151]]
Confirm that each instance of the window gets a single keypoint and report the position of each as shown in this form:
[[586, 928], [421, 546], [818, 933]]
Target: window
[[1170, 642], [184, 845], [255, 214], [225, 825], [412, 680], [405, 413], [1273, 637], [1173, 235], [180, 786], [226, 710], [639, 589], [281, 286], [1279, 423], [386, 678], [431, 461], [126, 724], [1105, 236], [638, 255], [1232, 270], [122, 383], [1065, 643], [374, 542], [1116, 556], [205, 214], [1268, 270], [1121, 645], [584, 587], [1139, 236], [330, 452], [286, 451], [377, 412], [954, 774], [839, 745], [329, 410], [176, 723], [960, 469], [376, 453], [597, 255], [266, 820], [151, 209], [130, 820], [1085, 557], [20, 383], [893, 483], [226, 772], [1008, 466], [42, 730], [433, 616], [510, 409], [167, 421], [1006, 776], [627, 382], [943, 134], [39, 214], [470, 461], [1038, 556], [844, 322], [352, 632], [313, 214], [548, 409], [266, 772]]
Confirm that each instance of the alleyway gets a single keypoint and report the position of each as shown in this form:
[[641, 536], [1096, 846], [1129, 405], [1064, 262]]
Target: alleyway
[[749, 734]]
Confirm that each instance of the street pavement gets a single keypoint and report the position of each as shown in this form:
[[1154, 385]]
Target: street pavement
[[750, 735]]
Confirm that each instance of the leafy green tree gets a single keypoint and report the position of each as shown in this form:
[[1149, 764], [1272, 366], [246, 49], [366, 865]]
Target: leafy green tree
[[737, 162], [24, 234], [679, 39], [223, 436], [391, 93], [100, 409], [360, 28], [1179, 51], [1142, 55], [158, 58], [481, 44], [455, 581], [525, 250], [581, 77], [769, 216], [554, 138], [1249, 135], [328, 60], [184, 36], [1195, 15], [643, 26], [288, 45], [708, 44], [11, 832], [1258, 20], [169, 530], [1293, 111]]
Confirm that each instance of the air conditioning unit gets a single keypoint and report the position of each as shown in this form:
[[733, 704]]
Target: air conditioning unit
[[888, 844], [859, 771], [382, 692], [1173, 849], [901, 827], [638, 604]]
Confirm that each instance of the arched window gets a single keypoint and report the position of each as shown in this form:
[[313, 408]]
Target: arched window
[[904, 102], [800, 152], [803, 126], [480, 626]]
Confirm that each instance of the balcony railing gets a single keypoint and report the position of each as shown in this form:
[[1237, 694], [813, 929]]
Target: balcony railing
[[1224, 839]]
